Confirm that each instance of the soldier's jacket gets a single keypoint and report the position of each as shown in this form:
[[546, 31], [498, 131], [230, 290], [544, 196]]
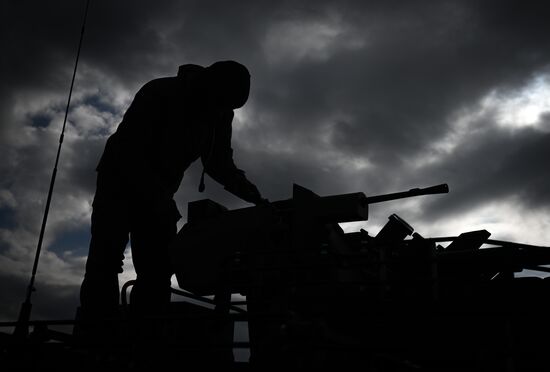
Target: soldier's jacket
[[165, 129]]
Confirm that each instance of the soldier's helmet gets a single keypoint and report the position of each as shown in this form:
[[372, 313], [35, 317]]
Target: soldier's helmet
[[225, 82], [231, 82]]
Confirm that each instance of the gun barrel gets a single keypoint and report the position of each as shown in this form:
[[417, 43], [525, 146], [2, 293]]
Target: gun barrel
[[437, 189]]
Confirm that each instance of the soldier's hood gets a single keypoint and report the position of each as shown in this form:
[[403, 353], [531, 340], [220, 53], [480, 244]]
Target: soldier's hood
[[190, 72]]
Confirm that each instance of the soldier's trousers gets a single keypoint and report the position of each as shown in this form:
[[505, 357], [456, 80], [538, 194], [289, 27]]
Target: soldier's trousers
[[120, 215]]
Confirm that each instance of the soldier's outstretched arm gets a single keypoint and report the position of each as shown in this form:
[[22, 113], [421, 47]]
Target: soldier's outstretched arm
[[218, 164]]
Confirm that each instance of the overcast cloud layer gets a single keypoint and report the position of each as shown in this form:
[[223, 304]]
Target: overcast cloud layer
[[346, 96]]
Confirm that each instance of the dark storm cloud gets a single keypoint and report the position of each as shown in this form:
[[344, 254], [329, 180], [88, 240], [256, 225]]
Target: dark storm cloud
[[419, 65], [401, 89], [497, 166], [346, 96]]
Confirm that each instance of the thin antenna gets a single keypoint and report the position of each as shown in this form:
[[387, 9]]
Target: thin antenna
[[22, 327]]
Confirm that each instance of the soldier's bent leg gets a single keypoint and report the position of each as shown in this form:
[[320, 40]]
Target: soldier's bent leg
[[150, 240]]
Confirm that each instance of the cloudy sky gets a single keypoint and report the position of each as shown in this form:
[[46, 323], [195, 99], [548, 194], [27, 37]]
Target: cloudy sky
[[347, 96]]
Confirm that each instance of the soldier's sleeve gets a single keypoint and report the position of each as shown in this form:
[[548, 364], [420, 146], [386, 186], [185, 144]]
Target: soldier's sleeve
[[218, 164]]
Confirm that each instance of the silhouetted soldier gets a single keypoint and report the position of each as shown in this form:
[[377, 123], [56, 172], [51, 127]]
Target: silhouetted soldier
[[172, 122]]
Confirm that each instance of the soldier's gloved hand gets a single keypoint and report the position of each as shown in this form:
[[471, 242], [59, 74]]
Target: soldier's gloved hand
[[244, 189], [262, 202], [247, 191]]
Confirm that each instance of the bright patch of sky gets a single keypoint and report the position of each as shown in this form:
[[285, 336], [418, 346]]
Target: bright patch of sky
[[242, 119], [504, 220], [524, 107], [129, 272], [506, 110]]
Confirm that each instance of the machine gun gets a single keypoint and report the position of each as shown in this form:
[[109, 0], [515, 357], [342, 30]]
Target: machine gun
[[213, 234], [437, 189]]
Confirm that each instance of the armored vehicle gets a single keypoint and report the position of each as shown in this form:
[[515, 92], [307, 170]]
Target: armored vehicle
[[308, 294]]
